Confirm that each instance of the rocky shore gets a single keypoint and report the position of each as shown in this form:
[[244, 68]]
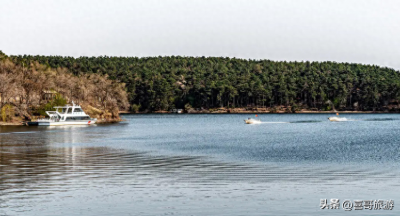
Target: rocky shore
[[11, 123]]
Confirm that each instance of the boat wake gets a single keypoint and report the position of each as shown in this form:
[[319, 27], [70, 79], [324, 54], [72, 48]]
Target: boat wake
[[293, 122], [310, 121], [381, 119], [332, 119], [274, 122]]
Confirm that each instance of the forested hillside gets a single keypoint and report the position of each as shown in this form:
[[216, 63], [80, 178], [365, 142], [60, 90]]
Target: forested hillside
[[29, 88], [163, 83]]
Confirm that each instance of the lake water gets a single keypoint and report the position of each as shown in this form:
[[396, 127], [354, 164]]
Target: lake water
[[201, 165]]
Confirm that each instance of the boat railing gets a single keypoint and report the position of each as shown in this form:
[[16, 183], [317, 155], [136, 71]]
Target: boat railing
[[44, 120], [79, 113], [73, 113], [48, 120]]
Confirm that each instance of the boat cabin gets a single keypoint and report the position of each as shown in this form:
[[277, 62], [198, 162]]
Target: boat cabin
[[68, 113]]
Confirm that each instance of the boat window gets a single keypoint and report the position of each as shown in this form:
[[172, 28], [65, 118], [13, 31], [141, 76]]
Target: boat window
[[78, 110], [78, 118], [69, 111], [63, 110]]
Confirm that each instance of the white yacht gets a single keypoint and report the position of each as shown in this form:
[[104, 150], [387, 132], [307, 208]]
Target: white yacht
[[65, 115]]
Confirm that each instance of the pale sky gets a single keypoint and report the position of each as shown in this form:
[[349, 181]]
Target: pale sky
[[360, 31]]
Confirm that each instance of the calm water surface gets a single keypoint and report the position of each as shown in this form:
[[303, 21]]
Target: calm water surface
[[201, 165]]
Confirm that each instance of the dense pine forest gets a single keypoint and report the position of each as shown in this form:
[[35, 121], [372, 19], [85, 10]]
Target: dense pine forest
[[164, 83]]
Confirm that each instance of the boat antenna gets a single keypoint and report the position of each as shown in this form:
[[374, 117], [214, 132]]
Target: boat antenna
[[73, 104]]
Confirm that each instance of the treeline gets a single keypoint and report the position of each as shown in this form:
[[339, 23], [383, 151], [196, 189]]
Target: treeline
[[163, 83], [27, 87]]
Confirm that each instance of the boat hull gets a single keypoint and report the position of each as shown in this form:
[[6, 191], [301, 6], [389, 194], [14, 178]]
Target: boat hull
[[337, 119], [252, 121], [48, 123]]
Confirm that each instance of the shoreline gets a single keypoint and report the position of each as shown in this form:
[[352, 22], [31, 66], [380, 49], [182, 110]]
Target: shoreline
[[266, 112], [101, 121], [108, 121], [11, 123]]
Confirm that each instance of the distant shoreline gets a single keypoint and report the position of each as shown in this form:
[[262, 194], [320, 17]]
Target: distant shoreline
[[225, 112], [265, 112], [11, 123]]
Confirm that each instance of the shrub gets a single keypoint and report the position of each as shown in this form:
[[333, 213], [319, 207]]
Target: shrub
[[59, 100], [135, 108], [7, 113]]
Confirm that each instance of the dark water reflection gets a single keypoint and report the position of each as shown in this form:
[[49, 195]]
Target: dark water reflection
[[197, 165]]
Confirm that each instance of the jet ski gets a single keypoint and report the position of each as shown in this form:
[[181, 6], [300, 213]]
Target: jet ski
[[337, 119], [252, 121]]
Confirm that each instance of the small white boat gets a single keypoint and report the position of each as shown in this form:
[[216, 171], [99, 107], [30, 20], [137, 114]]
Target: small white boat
[[179, 111], [65, 115], [337, 119], [252, 121]]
